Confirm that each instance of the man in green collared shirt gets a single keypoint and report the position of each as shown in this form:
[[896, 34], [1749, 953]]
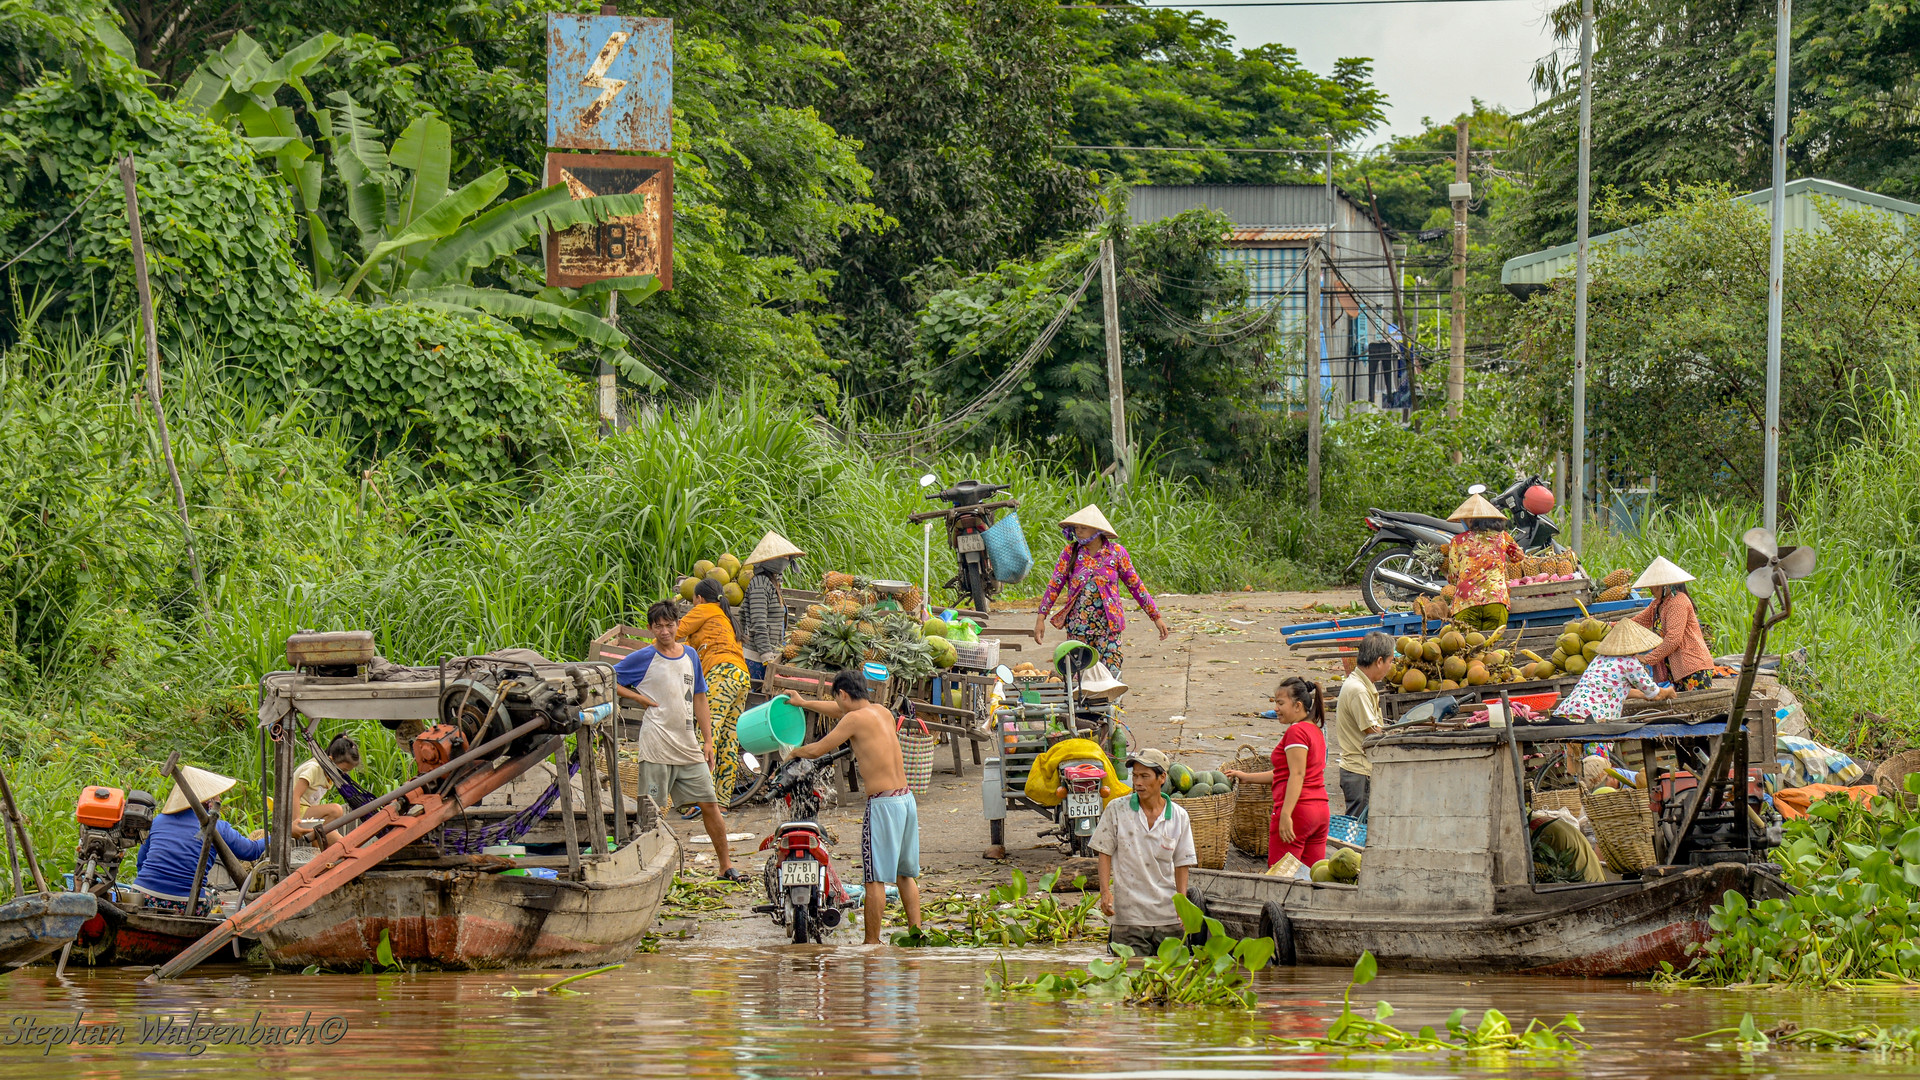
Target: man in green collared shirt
[[1146, 845]]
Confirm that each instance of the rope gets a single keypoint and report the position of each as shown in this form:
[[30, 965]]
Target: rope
[[974, 410]]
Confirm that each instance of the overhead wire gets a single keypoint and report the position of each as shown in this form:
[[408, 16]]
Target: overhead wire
[[48, 235]]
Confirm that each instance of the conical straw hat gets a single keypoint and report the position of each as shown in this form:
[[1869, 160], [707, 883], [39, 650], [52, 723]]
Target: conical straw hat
[[1662, 572], [1627, 638], [1092, 518], [1475, 508], [206, 785], [773, 546]]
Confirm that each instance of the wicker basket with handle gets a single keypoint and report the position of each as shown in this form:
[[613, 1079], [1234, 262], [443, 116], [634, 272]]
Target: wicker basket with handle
[[1210, 816], [1623, 823], [1567, 799], [1252, 803]]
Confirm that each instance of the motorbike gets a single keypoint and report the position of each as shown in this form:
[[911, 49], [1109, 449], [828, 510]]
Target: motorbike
[[1079, 810], [1408, 550], [804, 894], [968, 517]]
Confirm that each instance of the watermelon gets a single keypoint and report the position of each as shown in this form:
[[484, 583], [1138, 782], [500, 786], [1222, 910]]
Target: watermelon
[[1222, 789], [1220, 779], [1181, 776]]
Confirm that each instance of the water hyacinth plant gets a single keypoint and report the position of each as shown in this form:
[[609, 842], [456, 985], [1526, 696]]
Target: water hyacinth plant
[[1853, 918], [1006, 915], [1354, 1031], [1214, 974]]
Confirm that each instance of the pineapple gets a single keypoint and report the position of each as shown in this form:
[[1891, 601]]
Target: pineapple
[[799, 637], [1617, 579], [790, 652], [835, 580], [811, 622], [1617, 592]]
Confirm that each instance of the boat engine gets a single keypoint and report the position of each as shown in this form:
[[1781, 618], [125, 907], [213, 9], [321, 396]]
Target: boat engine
[[112, 823], [487, 705]]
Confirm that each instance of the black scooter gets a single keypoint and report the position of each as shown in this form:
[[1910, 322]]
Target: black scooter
[[968, 519], [1409, 549]]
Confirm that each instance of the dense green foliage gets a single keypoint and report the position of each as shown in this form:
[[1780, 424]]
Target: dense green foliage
[[1677, 338], [1683, 93]]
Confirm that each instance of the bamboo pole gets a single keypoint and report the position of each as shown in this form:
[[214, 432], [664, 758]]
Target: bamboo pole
[[153, 372]]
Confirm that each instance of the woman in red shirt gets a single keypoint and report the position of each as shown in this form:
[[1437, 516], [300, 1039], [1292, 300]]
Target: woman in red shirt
[[1299, 823]]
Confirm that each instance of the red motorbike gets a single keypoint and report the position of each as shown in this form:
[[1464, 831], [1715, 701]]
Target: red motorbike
[[1080, 803], [804, 894]]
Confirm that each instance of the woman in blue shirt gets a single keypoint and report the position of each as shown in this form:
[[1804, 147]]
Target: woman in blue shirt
[[169, 855]]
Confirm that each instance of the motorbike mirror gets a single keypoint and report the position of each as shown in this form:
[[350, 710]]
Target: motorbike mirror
[[1005, 674], [929, 480], [1477, 489]]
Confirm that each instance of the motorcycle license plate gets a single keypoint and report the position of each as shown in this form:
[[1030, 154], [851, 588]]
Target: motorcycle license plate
[[799, 872], [1083, 805], [972, 542]]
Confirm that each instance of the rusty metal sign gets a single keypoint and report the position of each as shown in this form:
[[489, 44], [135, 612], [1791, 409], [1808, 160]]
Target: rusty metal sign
[[609, 82], [619, 247]]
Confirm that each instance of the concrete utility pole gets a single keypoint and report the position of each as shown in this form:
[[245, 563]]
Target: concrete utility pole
[[609, 398], [1116, 391], [1312, 326], [1576, 502], [1460, 193], [1776, 262]]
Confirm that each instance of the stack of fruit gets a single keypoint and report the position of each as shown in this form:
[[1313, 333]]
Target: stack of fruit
[[1189, 784], [1457, 656], [724, 571], [1616, 586], [1572, 651], [1342, 865], [841, 632]]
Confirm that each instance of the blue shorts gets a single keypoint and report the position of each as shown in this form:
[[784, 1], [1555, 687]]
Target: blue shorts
[[890, 838]]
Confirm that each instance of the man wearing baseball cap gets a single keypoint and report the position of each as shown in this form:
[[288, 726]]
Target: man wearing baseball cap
[[1146, 845]]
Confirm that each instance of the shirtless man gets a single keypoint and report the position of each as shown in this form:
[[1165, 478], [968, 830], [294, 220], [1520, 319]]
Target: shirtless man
[[890, 834]]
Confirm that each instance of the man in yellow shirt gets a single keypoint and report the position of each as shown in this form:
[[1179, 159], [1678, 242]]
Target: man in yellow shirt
[[1357, 716]]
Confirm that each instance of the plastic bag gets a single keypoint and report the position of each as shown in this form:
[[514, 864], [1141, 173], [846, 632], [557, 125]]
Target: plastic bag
[[1007, 548]]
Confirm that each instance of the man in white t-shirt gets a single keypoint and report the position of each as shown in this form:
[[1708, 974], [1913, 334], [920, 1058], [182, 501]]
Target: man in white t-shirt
[[676, 731], [1146, 845], [1358, 716]]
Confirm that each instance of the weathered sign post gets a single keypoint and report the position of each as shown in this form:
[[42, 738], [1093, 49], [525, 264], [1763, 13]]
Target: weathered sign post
[[610, 88]]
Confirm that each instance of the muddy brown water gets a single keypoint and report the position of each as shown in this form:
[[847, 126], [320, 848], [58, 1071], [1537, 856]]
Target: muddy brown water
[[768, 1013]]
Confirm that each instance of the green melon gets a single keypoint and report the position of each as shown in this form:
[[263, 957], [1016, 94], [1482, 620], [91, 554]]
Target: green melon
[[1181, 776]]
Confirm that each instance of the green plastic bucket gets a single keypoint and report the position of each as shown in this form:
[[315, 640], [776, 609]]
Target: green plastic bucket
[[773, 725]]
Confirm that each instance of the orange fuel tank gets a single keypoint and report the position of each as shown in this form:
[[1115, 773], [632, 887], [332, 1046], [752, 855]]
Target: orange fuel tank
[[101, 807]]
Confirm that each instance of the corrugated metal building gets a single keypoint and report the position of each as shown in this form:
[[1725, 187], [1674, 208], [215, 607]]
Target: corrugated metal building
[[1274, 223], [1527, 274]]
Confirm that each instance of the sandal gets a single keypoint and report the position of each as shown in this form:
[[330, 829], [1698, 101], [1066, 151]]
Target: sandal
[[734, 874]]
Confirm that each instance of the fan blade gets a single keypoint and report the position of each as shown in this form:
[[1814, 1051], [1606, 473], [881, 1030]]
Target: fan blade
[[1797, 562], [1760, 581], [1761, 541]]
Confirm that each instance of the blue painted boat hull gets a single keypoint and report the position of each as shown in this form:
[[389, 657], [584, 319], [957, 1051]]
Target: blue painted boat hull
[[33, 925]]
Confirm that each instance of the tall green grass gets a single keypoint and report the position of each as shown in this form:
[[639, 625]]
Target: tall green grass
[[109, 659], [1858, 616]]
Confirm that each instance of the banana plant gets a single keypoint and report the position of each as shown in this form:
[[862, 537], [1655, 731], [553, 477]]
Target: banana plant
[[421, 242]]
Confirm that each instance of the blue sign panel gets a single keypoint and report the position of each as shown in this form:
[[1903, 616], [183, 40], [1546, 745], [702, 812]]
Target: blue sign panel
[[609, 82]]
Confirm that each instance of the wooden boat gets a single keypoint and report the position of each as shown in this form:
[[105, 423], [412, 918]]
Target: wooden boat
[[122, 936], [1446, 880], [481, 918], [406, 878], [36, 925]]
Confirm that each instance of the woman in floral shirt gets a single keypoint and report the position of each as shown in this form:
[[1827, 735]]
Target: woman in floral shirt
[[1089, 575], [1615, 675], [1477, 565]]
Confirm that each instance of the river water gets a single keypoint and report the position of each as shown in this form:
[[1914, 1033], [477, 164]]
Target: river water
[[789, 1012]]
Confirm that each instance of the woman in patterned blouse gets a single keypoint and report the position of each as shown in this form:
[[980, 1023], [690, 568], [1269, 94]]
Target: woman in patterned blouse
[[1615, 675], [1477, 565], [1089, 575]]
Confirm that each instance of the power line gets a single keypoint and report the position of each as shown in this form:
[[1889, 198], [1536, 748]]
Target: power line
[[63, 224], [1319, 153]]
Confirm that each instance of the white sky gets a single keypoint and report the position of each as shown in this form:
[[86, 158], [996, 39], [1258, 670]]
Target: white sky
[[1430, 59]]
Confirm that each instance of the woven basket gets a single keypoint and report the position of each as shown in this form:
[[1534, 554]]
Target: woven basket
[[1252, 804], [1567, 799], [1891, 776], [1211, 816], [916, 753], [1623, 823], [630, 777]]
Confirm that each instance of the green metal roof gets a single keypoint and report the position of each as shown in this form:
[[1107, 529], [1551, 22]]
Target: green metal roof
[[1524, 273]]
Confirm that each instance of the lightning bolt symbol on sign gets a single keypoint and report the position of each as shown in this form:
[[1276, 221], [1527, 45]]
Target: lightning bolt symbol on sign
[[596, 76]]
